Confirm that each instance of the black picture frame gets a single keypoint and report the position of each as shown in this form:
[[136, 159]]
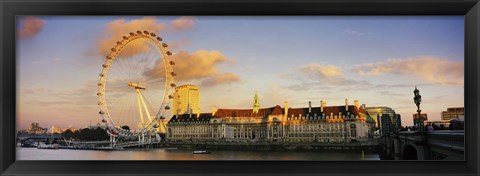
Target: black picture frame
[[10, 8]]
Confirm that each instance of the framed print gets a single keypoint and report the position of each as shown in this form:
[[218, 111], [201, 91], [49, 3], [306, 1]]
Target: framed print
[[255, 87]]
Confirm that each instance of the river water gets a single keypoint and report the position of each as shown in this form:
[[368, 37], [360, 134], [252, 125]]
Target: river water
[[165, 154]]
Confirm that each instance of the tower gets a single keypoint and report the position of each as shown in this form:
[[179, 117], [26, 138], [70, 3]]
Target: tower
[[256, 103], [186, 100], [285, 108]]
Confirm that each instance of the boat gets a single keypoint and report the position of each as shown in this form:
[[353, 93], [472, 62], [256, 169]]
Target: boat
[[52, 146], [201, 152]]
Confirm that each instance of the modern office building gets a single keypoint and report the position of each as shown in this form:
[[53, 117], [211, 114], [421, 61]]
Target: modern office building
[[377, 112], [186, 100], [452, 113]]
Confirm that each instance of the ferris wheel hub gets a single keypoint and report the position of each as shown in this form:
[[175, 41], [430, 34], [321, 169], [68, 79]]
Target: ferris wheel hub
[[136, 86]]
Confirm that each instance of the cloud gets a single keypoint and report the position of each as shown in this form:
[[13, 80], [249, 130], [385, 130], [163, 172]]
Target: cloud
[[327, 75], [116, 29], [224, 78], [391, 94], [30, 27], [321, 78], [183, 23], [433, 69], [121, 27], [177, 45], [354, 32], [31, 91], [318, 70], [201, 64]]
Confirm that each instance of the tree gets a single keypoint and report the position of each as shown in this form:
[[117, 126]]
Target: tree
[[126, 127], [67, 134]]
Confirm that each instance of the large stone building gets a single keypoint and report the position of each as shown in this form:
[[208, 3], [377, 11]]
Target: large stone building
[[323, 123], [186, 100]]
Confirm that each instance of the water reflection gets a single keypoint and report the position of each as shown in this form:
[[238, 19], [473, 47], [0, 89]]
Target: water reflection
[[162, 154]]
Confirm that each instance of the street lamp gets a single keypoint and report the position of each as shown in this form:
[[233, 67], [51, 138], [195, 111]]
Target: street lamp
[[418, 99]]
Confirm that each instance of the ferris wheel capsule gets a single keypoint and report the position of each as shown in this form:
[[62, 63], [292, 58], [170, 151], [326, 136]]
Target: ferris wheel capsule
[[167, 107], [169, 53], [164, 45]]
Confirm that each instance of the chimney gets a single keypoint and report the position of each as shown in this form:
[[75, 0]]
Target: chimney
[[322, 104], [346, 104], [309, 107], [285, 108], [214, 110], [355, 103]]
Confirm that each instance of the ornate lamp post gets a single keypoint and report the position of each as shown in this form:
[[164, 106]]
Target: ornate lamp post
[[418, 99]]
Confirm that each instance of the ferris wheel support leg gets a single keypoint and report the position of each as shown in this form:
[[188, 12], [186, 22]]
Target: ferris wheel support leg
[[139, 106], [144, 105]]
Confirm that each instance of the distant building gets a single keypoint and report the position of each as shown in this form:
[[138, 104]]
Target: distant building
[[377, 112], [36, 129], [452, 113], [186, 100], [423, 115], [275, 124], [390, 124]]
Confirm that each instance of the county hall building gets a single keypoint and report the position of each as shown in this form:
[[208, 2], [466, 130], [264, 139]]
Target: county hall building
[[346, 123]]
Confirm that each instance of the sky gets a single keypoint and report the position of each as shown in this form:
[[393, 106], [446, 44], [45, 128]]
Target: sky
[[377, 60]]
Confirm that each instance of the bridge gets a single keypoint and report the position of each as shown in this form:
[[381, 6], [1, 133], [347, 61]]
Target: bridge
[[29, 139], [430, 145]]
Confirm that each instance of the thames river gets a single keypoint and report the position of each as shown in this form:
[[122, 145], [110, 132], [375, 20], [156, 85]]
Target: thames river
[[166, 154]]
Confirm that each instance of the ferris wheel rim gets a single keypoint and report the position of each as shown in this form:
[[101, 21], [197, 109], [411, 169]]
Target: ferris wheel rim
[[161, 48]]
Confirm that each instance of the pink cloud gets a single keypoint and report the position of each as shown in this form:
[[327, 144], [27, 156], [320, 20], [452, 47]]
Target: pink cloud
[[183, 23], [224, 78], [433, 69], [121, 27], [200, 64], [30, 27]]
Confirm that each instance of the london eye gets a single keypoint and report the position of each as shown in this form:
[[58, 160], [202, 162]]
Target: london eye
[[136, 87]]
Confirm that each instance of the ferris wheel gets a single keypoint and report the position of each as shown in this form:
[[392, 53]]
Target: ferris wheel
[[136, 86]]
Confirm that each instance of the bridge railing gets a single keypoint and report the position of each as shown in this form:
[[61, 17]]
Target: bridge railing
[[452, 139]]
